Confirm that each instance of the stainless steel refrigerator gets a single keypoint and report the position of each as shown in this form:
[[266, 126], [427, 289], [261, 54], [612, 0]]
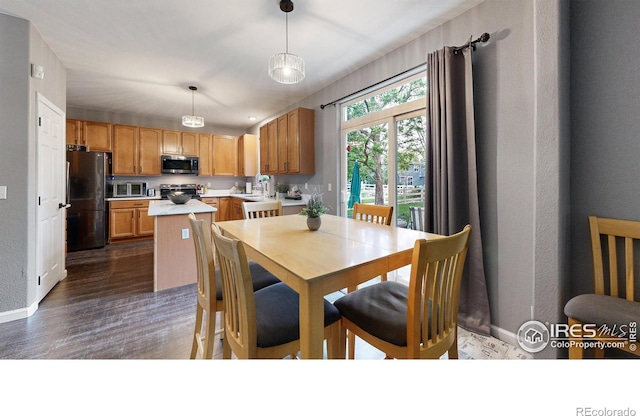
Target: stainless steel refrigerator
[[87, 216]]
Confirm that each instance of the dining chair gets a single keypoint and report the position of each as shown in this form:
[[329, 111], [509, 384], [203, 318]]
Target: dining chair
[[379, 214], [264, 323], [209, 288], [419, 320], [613, 305], [261, 209], [417, 218]]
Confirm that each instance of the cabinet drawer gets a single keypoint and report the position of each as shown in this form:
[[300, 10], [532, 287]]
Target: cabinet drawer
[[129, 204]]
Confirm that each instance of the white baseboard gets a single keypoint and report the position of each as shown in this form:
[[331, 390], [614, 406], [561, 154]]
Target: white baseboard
[[16, 314], [504, 335]]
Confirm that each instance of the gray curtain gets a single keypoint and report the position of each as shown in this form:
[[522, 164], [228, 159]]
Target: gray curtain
[[452, 200]]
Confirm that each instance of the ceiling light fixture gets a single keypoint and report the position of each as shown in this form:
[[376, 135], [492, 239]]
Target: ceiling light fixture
[[192, 120], [286, 68]]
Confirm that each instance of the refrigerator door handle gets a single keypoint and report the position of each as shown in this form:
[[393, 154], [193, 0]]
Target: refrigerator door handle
[[67, 200]]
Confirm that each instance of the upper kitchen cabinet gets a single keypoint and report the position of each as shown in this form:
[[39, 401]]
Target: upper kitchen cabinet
[[136, 150], [176, 142], [224, 155], [289, 144], [74, 131], [269, 148], [299, 153], [247, 155], [205, 162], [95, 135]]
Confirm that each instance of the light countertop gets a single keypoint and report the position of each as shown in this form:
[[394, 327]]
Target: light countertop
[[251, 197], [166, 207]]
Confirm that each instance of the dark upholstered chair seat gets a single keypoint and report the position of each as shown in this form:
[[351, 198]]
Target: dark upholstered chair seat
[[602, 309], [379, 309], [260, 276], [278, 315]]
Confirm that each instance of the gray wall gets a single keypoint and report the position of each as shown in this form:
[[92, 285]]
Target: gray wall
[[14, 160], [605, 123], [21, 45]]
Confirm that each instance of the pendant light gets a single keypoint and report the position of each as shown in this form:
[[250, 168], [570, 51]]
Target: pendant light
[[192, 120], [286, 67]]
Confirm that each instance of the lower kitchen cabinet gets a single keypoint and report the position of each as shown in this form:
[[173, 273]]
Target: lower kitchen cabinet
[[221, 204], [236, 209], [129, 220]]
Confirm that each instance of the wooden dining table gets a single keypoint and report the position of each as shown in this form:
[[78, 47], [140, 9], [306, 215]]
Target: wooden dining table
[[342, 253]]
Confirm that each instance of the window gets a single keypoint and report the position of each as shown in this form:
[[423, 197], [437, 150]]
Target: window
[[384, 131]]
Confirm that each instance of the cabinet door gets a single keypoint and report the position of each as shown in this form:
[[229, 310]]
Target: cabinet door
[[272, 148], [74, 131], [149, 145], [144, 223], [97, 136], [205, 149], [122, 223], [264, 149], [189, 144], [125, 150], [224, 155], [236, 209], [282, 143], [223, 209], [293, 143], [171, 142], [240, 146]]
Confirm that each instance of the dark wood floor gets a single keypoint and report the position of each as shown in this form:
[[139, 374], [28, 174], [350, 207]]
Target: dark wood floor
[[105, 309]]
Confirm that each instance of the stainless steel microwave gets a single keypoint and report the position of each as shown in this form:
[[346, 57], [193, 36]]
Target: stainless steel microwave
[[179, 164], [128, 189]]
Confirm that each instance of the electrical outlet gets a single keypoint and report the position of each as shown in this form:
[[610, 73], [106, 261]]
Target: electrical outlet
[[185, 233], [329, 187], [3, 192], [306, 186]]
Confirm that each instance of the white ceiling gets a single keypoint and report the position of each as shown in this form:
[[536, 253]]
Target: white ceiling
[[140, 56]]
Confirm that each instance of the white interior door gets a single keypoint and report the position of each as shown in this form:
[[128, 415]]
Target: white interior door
[[51, 212]]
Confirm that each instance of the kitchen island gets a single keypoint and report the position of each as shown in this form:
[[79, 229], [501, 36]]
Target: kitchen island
[[173, 250]]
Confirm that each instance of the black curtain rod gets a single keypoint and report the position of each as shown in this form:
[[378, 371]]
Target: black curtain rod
[[483, 38], [372, 85], [472, 44]]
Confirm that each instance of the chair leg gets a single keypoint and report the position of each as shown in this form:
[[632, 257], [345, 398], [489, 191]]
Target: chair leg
[[575, 351], [343, 342], [453, 349], [334, 345], [209, 335], [196, 332], [351, 344], [226, 350]]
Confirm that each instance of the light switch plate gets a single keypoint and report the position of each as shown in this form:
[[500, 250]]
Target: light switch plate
[[37, 71], [3, 192], [185, 233]]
